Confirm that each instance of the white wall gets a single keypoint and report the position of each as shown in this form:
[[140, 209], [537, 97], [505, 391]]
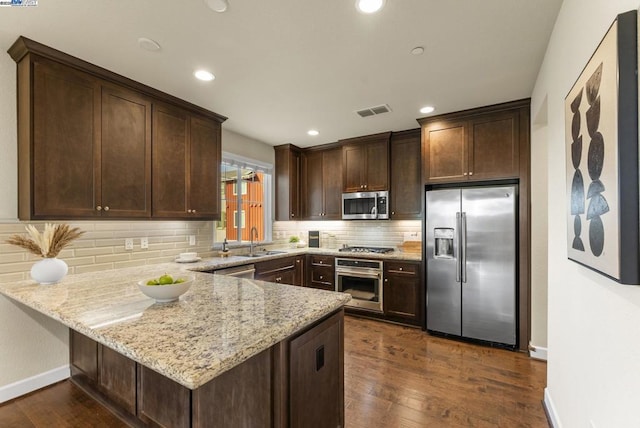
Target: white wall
[[248, 147], [593, 377]]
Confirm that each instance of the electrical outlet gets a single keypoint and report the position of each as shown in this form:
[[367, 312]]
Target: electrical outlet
[[144, 243], [411, 236], [192, 239], [128, 244]]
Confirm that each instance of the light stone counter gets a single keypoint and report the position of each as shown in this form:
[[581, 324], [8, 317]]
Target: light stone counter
[[213, 263], [219, 323]]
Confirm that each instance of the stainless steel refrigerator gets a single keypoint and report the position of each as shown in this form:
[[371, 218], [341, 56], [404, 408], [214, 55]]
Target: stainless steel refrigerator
[[471, 258]]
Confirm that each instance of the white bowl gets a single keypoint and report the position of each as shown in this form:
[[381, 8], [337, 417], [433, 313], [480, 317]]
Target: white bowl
[[166, 293]]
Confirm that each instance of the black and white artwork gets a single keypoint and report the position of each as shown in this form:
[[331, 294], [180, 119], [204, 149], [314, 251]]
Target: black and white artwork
[[601, 133]]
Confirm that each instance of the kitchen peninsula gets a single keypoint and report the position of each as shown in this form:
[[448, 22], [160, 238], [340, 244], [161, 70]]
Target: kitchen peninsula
[[230, 351]]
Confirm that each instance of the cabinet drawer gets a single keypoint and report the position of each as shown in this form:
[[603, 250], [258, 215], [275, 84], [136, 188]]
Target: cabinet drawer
[[319, 260], [401, 268], [322, 278], [273, 266]]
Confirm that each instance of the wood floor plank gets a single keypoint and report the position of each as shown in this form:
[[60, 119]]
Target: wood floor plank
[[396, 377]]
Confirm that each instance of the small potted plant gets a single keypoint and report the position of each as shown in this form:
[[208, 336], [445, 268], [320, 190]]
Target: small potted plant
[[293, 241]]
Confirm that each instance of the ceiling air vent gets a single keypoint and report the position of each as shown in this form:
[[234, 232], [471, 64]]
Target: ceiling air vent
[[366, 112]]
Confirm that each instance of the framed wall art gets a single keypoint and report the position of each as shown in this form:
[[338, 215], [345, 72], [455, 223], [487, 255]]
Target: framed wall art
[[601, 122]]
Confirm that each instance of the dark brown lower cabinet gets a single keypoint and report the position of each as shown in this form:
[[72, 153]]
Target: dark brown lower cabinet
[[401, 293], [321, 272], [286, 270], [298, 382]]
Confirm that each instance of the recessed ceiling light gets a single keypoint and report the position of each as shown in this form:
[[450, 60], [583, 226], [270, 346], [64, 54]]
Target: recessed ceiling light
[[217, 5], [312, 132], [148, 44], [369, 6], [204, 75], [427, 110], [418, 50]]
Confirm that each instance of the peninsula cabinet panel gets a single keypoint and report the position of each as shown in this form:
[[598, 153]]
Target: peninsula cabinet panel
[[240, 397], [63, 164], [316, 376], [117, 378], [83, 355], [161, 401], [406, 170]]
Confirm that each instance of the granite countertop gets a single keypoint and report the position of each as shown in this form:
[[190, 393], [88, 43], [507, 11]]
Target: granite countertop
[[213, 263], [219, 323]]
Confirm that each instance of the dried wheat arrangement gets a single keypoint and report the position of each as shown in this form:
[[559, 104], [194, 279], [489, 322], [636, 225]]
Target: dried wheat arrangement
[[50, 242]]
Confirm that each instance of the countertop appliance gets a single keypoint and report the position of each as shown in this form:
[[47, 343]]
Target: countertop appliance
[[471, 258], [363, 280], [365, 206], [244, 271], [375, 250]]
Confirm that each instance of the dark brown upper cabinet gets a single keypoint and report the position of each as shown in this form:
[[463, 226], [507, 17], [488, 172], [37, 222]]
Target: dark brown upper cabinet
[[186, 159], [288, 172], [474, 145], [323, 183], [365, 163], [406, 181], [85, 143]]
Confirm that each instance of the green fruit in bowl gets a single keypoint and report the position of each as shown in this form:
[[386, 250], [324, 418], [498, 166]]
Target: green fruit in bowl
[[165, 280], [153, 282], [179, 281]]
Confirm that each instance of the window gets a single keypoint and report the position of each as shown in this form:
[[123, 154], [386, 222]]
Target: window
[[246, 200]]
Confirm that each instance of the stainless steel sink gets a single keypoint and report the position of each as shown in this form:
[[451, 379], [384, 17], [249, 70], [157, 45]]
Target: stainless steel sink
[[264, 253]]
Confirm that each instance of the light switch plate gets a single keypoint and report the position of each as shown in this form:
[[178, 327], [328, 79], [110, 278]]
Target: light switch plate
[[411, 236], [128, 244], [192, 239], [144, 243]]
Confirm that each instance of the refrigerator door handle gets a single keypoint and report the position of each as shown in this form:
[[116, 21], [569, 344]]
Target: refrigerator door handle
[[463, 247], [457, 253]]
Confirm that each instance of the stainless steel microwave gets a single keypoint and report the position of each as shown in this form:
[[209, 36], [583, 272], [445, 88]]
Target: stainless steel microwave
[[365, 206]]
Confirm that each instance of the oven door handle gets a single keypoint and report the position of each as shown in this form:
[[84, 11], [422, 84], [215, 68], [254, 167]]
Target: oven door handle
[[357, 274]]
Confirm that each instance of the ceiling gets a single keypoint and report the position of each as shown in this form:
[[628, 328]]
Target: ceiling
[[283, 67]]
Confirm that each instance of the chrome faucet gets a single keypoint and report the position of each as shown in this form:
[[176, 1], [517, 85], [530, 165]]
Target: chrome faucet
[[251, 243]]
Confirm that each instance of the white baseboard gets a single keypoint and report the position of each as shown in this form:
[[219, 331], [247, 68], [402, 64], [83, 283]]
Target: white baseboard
[[551, 410], [33, 383], [538, 352]]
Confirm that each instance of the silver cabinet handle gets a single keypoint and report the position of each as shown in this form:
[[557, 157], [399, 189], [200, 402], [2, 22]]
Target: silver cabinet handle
[[470, 172], [106, 208], [464, 173], [99, 208], [188, 211], [193, 211]]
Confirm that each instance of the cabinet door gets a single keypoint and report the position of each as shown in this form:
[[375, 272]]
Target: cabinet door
[[204, 169], [377, 166], [118, 378], [66, 139], [161, 401], [125, 155], [299, 271], [314, 187], [401, 293], [353, 168], [170, 161], [406, 169], [493, 146], [316, 383], [332, 181], [83, 356], [288, 172], [445, 151]]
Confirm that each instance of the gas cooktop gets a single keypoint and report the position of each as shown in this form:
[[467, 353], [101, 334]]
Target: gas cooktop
[[378, 250]]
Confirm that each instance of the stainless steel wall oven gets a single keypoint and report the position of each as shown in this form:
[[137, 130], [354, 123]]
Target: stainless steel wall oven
[[363, 280]]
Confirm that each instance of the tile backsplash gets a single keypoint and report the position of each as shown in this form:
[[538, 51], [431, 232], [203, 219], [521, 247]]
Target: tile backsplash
[[334, 234], [102, 245]]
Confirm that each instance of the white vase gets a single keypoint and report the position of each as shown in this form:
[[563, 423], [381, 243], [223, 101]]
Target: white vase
[[49, 271]]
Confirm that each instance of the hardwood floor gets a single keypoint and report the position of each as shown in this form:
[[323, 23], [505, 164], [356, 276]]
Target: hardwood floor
[[402, 377], [394, 377]]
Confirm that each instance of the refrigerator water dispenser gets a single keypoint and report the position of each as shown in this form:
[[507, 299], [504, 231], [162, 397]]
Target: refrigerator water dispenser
[[443, 246]]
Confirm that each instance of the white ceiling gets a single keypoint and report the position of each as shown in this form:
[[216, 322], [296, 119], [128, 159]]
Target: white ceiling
[[285, 66]]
